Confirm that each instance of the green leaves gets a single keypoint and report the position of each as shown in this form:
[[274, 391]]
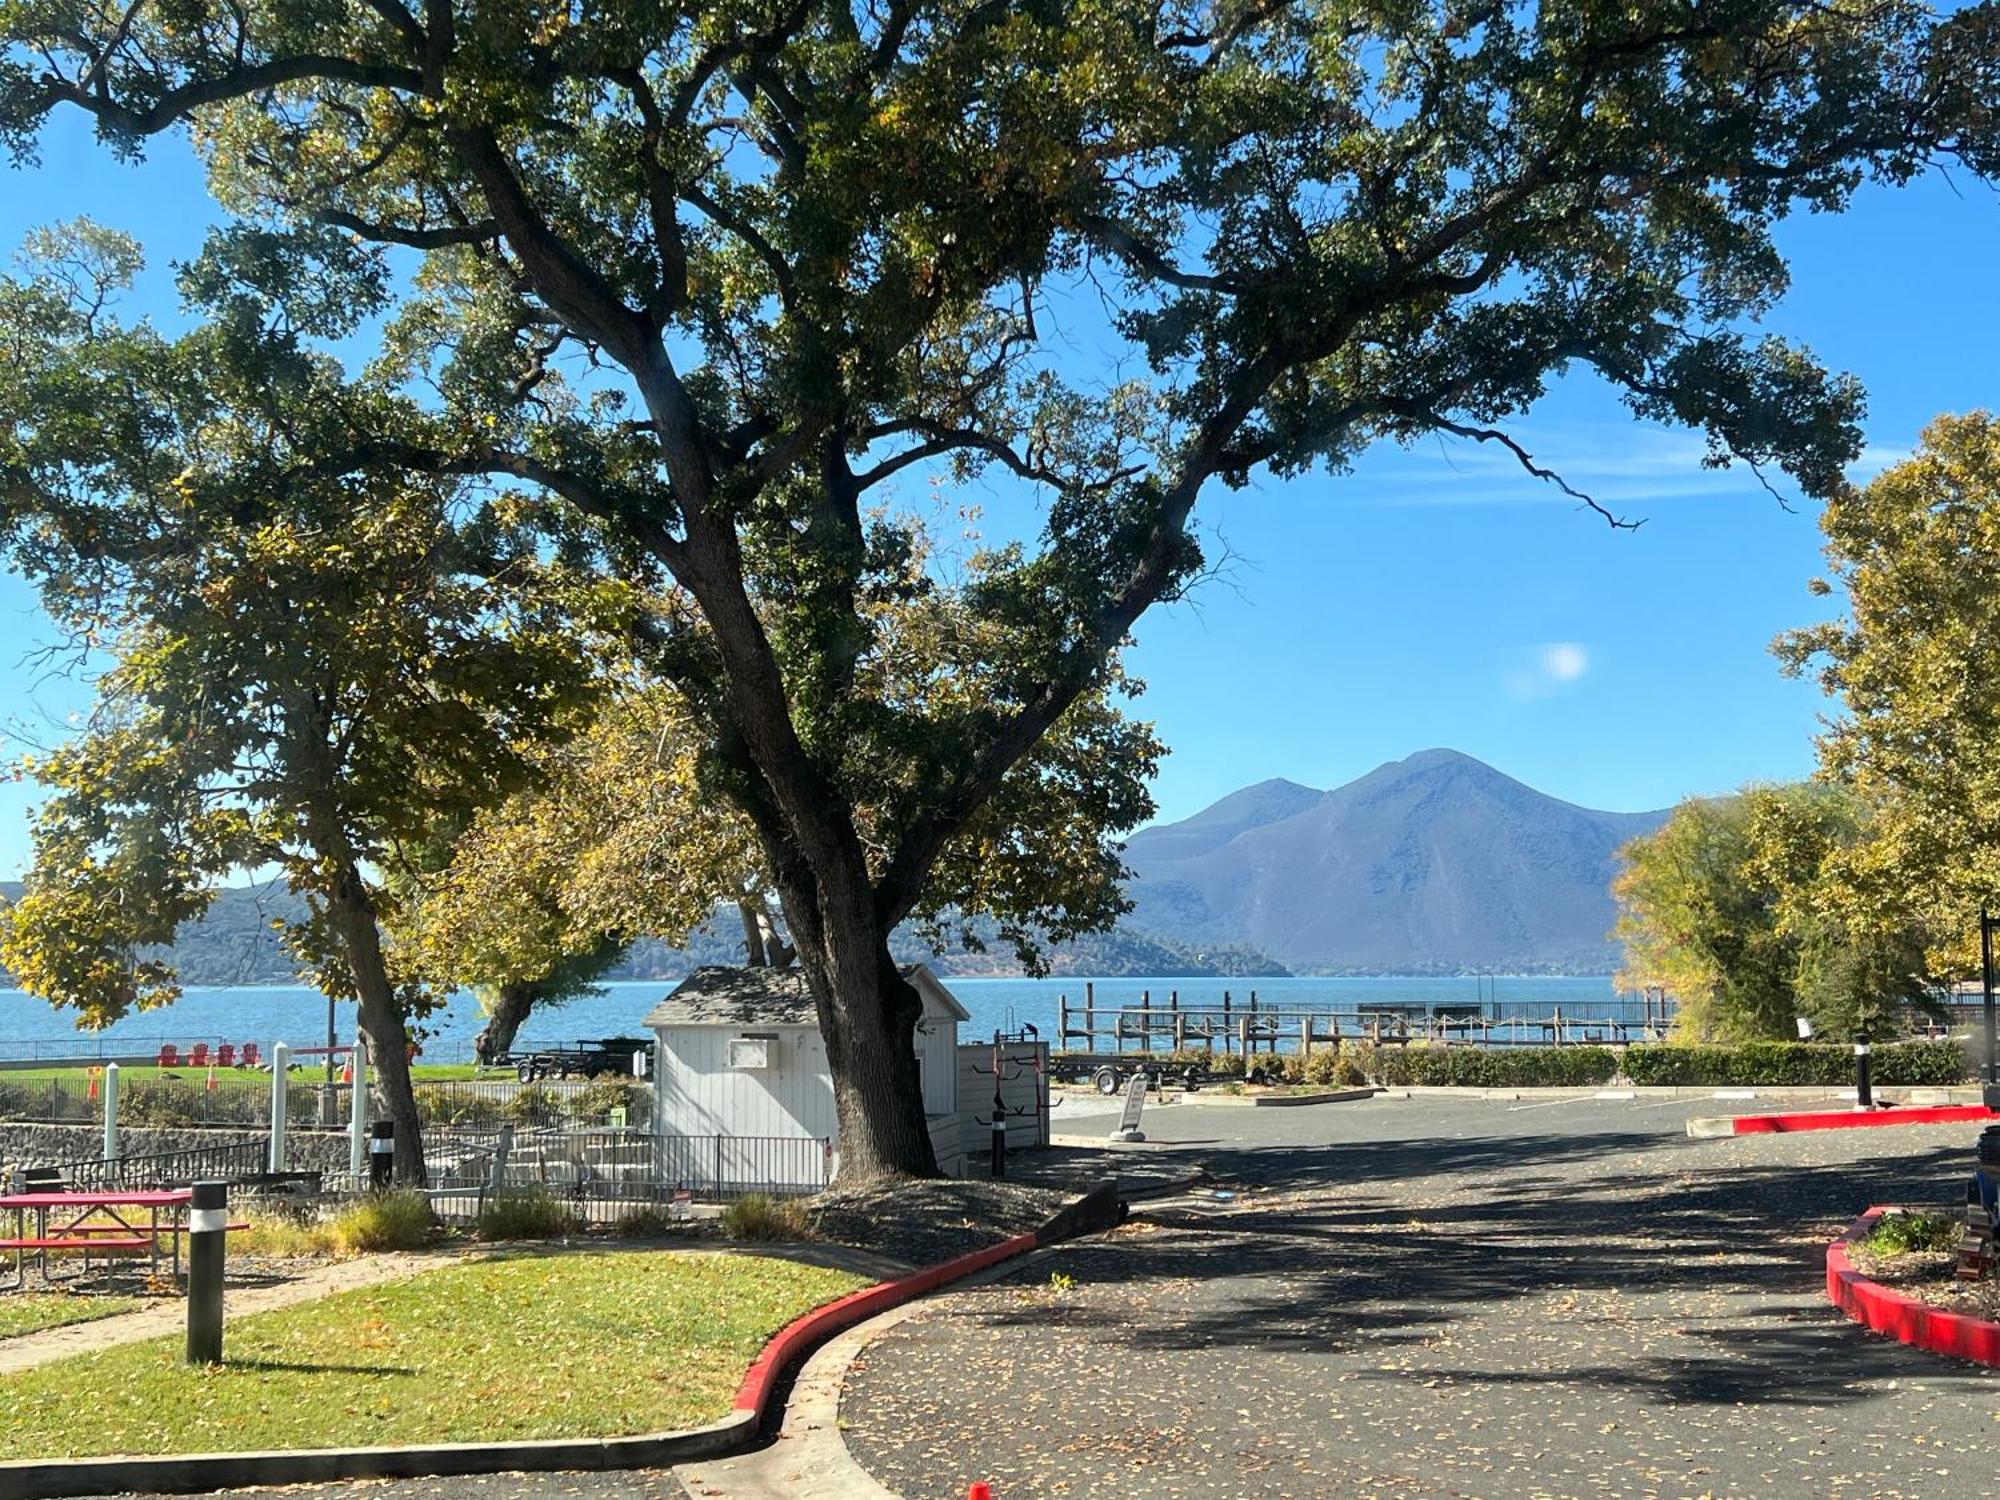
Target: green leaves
[[1916, 555], [1739, 907]]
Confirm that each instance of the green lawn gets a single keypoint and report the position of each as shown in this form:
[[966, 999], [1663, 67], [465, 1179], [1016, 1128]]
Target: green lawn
[[535, 1347], [31, 1312]]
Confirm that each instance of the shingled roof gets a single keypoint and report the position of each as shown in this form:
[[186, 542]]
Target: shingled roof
[[724, 995]]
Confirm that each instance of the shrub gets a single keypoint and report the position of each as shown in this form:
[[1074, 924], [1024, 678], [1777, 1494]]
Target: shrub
[[1902, 1233], [1477, 1067], [442, 1104], [273, 1232], [1322, 1067], [758, 1216], [158, 1103], [529, 1213], [1496, 1067], [533, 1104], [649, 1221], [400, 1220], [1348, 1072], [1807, 1063], [595, 1100]]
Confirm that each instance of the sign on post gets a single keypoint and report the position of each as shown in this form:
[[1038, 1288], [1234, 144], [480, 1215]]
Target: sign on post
[[1128, 1120]]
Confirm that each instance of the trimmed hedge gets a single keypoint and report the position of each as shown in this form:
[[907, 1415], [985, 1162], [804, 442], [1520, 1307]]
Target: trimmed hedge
[[1494, 1067], [1811, 1063]]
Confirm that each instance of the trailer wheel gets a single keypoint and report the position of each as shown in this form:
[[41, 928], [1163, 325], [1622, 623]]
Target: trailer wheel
[[1106, 1080], [525, 1072]]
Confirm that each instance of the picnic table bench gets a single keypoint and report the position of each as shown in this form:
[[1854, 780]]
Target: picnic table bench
[[75, 1228]]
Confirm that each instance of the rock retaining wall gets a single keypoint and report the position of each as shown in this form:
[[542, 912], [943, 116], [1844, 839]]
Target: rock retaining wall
[[54, 1145]]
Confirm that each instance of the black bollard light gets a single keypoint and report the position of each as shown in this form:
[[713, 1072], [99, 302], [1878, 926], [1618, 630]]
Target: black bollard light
[[208, 1214], [381, 1156], [1864, 1095]]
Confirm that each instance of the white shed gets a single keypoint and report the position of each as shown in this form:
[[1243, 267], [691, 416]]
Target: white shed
[[743, 1092]]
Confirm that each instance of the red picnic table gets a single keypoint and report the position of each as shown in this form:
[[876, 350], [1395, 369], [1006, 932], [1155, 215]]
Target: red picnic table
[[74, 1221]]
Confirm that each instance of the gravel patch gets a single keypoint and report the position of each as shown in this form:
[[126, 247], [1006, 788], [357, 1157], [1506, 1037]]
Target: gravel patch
[[923, 1222]]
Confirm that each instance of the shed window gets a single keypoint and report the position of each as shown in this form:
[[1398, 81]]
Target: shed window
[[750, 1053]]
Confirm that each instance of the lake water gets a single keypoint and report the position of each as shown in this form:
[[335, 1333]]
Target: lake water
[[31, 1028]]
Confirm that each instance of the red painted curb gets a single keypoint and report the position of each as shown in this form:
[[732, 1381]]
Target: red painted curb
[[823, 1322], [1887, 1311], [1854, 1119]]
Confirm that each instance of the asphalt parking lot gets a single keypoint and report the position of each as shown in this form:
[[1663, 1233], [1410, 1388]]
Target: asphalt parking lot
[[1444, 1296]]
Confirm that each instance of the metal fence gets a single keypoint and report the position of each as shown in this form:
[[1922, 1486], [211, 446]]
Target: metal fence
[[222, 1161], [231, 1098], [728, 1166], [604, 1173], [486, 1104], [242, 1096]]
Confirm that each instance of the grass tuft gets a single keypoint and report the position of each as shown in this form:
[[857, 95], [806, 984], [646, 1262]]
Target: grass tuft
[[529, 1213], [401, 1220], [758, 1216], [649, 1221], [1904, 1233], [284, 1235]]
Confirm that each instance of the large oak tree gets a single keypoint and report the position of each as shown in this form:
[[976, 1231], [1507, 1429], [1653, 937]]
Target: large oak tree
[[721, 277]]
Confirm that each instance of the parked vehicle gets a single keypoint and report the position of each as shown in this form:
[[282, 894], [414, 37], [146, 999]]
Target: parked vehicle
[[607, 1055]]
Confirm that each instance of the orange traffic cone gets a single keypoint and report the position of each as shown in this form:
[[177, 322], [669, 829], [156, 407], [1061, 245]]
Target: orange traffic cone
[[347, 1072], [980, 1490], [91, 1092], [211, 1078]]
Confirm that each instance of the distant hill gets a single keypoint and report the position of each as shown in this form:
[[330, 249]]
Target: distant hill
[[234, 944], [1433, 864]]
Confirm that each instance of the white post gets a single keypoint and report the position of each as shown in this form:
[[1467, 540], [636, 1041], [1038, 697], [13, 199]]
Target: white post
[[653, 1091], [357, 1121], [111, 1111], [281, 1077]]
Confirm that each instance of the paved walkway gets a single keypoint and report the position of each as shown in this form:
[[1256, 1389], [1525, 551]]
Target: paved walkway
[[1443, 1297]]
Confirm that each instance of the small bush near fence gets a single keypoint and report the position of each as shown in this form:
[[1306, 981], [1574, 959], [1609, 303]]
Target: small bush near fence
[[1494, 1067], [276, 1233], [529, 1213], [442, 1104], [1810, 1063], [648, 1221], [401, 1220], [758, 1216]]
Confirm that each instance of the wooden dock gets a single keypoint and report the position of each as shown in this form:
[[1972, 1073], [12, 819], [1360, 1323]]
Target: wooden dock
[[1249, 1025]]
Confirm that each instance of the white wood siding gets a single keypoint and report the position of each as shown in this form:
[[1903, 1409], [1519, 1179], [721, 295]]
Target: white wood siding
[[1023, 1084], [698, 1093], [937, 1047]]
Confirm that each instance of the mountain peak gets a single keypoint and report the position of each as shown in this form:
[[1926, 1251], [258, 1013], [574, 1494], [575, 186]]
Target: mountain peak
[[1432, 862], [1440, 756]]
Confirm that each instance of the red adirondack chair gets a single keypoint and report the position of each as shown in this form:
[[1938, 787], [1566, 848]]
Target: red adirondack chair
[[249, 1054], [225, 1055], [198, 1055], [170, 1056]]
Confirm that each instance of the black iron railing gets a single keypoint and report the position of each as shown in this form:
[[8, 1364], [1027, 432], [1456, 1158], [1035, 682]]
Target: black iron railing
[[222, 1161]]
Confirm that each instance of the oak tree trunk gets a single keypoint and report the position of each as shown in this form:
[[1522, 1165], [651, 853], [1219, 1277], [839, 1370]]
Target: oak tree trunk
[[868, 1015], [510, 1007], [353, 916], [753, 935]]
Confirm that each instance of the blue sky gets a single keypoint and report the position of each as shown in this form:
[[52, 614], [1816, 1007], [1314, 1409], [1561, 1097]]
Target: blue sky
[[1436, 595]]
